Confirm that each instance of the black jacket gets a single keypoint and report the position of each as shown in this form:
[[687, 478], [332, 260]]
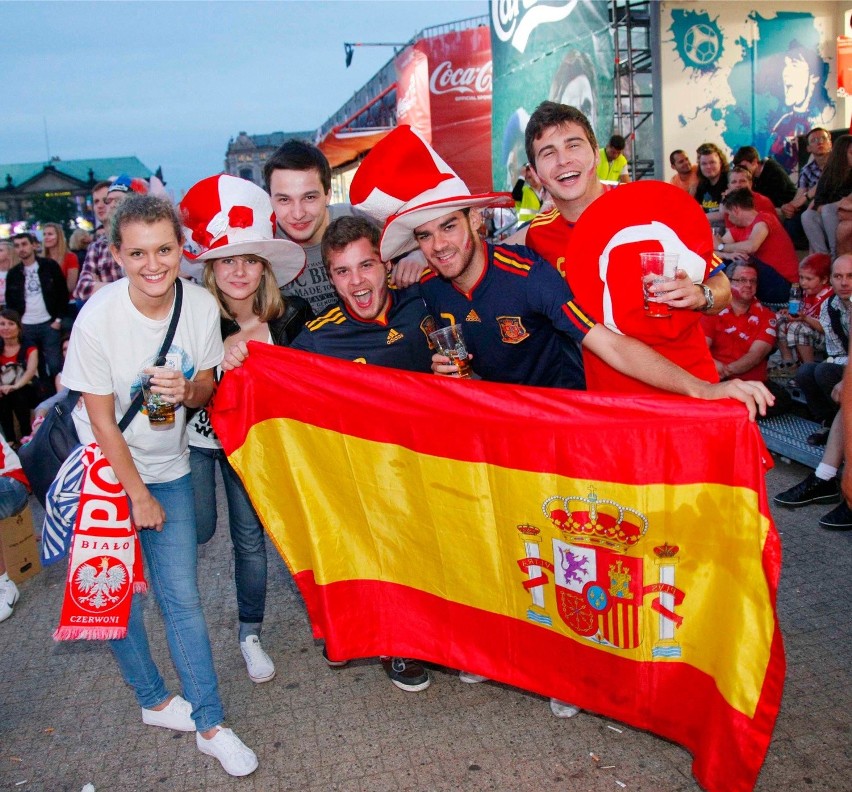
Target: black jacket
[[284, 329], [53, 288]]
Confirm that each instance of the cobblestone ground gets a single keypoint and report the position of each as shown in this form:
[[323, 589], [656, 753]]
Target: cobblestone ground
[[66, 719]]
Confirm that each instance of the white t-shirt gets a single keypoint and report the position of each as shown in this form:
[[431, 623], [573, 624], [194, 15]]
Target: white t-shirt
[[35, 311], [112, 342]]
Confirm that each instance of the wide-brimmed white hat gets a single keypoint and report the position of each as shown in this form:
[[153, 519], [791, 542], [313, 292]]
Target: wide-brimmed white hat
[[226, 216], [404, 183]]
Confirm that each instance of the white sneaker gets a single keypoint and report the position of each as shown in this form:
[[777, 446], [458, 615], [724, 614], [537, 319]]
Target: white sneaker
[[471, 679], [234, 755], [9, 595], [176, 716], [562, 709], [259, 664]]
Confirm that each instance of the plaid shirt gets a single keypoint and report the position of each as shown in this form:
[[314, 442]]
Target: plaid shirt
[[834, 346], [809, 175], [99, 267]]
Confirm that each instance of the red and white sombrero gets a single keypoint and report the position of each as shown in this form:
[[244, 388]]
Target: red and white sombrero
[[404, 183], [226, 216]]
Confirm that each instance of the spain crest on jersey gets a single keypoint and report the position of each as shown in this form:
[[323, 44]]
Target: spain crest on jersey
[[512, 330], [594, 554]]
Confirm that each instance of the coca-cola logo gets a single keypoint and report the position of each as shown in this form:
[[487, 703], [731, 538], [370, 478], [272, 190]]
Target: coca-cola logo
[[515, 20], [469, 79]]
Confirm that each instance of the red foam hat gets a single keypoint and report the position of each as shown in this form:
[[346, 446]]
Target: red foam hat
[[226, 216], [404, 183]]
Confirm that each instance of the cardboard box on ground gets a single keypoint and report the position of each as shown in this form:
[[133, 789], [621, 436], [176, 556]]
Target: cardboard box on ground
[[20, 550]]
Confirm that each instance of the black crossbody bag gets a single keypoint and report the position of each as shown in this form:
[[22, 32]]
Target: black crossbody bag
[[57, 437]]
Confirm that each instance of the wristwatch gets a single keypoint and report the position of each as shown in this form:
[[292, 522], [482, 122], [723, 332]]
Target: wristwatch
[[708, 296], [721, 246]]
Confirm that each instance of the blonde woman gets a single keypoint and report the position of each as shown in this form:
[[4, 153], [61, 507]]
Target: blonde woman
[[56, 248], [243, 269]]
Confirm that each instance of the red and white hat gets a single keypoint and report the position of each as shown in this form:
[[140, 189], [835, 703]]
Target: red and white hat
[[404, 183], [226, 216]]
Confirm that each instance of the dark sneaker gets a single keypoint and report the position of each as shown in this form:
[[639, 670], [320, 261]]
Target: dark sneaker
[[811, 490], [818, 438], [406, 674], [333, 663], [839, 519]]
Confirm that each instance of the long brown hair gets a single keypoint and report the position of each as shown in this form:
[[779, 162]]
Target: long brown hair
[[61, 245]]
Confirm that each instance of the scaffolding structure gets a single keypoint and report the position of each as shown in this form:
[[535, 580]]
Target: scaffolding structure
[[633, 30]]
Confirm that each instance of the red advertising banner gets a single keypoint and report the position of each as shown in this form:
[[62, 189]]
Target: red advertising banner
[[412, 91], [460, 102], [844, 66]]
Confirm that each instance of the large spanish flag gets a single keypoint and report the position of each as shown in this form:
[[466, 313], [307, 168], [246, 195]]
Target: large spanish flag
[[615, 553]]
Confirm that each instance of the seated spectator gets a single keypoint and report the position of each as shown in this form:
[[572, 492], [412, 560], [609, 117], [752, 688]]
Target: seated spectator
[[740, 178], [18, 369], [742, 335], [820, 219], [819, 147], [686, 174], [768, 177], [822, 486], [14, 492], [817, 380], [759, 238], [802, 333], [612, 164], [712, 179]]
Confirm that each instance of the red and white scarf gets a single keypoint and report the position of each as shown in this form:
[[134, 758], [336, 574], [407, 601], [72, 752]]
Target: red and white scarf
[[105, 566]]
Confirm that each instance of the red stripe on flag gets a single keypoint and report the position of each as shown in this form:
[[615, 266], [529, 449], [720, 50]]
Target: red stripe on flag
[[506, 425], [671, 699]]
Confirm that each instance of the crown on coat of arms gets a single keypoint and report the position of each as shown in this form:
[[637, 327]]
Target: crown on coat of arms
[[596, 521]]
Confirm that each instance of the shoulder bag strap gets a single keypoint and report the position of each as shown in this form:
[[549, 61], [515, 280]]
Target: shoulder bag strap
[[161, 355]]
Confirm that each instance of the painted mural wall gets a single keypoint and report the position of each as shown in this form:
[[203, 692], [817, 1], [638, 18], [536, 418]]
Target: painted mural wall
[[560, 50], [739, 74]]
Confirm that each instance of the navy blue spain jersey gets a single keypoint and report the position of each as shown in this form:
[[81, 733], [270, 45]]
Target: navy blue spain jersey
[[397, 340], [520, 321]]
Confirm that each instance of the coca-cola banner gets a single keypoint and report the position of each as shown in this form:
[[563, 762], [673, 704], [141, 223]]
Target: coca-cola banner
[[460, 102], [412, 91], [560, 50]]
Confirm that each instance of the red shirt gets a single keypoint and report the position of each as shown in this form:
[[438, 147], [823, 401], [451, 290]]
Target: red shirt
[[10, 465], [679, 338], [812, 303], [730, 336], [777, 249], [70, 262], [761, 204]]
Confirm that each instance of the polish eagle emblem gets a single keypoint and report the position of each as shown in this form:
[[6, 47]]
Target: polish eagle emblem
[[101, 586]]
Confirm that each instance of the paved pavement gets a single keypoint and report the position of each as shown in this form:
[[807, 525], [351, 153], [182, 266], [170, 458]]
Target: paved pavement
[[66, 719]]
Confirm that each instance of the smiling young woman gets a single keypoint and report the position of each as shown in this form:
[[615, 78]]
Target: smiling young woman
[[118, 334], [244, 268]]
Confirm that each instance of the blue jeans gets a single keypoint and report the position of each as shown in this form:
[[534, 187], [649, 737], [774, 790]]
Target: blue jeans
[[13, 497], [246, 531], [171, 556], [49, 344]]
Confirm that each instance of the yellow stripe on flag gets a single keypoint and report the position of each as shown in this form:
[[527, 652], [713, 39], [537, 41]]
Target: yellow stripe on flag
[[451, 529]]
